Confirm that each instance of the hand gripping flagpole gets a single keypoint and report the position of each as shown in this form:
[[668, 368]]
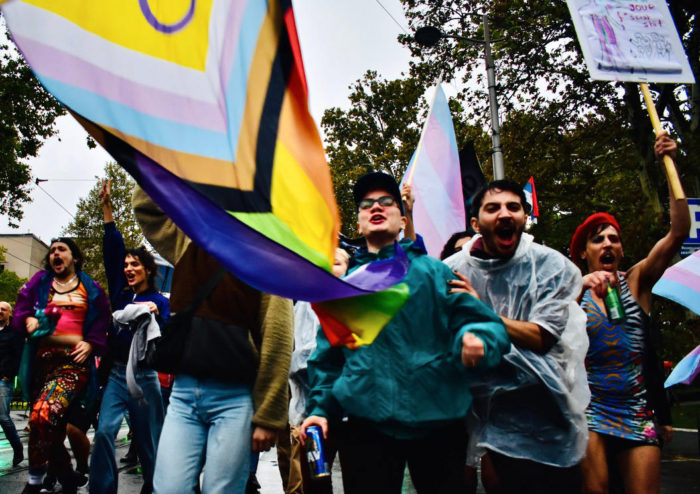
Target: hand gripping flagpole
[[671, 172]]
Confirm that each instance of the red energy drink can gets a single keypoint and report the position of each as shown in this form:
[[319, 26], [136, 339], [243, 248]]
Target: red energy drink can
[[316, 452]]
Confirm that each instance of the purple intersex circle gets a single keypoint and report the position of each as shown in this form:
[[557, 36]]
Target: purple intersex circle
[[166, 28]]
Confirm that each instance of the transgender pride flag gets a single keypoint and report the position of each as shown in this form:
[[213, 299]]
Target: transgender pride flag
[[687, 369], [434, 172], [681, 283]]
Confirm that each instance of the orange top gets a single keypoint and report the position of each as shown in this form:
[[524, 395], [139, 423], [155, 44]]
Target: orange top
[[74, 305]]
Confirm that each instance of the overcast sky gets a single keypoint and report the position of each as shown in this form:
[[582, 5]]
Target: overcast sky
[[340, 40]]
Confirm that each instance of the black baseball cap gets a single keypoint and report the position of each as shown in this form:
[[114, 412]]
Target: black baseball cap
[[377, 181]]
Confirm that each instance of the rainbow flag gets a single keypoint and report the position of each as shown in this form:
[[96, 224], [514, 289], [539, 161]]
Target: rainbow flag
[[681, 283], [435, 175], [357, 321], [205, 104], [686, 371]]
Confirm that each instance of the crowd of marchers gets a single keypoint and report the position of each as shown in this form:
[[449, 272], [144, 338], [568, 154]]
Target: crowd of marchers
[[506, 356]]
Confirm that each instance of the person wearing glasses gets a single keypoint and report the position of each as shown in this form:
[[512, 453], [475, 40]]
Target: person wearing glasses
[[405, 396]]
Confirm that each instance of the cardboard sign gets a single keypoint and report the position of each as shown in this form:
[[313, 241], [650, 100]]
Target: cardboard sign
[[630, 40]]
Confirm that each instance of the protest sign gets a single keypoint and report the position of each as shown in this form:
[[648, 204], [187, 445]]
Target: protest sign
[[630, 40]]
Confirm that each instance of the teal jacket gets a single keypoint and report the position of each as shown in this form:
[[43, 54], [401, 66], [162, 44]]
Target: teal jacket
[[411, 378]]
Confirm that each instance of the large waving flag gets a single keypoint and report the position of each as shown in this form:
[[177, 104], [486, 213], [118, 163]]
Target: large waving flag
[[205, 104], [435, 175]]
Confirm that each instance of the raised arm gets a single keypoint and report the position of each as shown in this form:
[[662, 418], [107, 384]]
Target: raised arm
[[113, 249], [408, 199], [647, 272]]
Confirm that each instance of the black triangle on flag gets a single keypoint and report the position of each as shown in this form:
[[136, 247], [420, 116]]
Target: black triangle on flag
[[472, 176]]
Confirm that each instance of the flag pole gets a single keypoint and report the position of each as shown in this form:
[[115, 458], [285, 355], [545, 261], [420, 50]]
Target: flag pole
[[671, 172]]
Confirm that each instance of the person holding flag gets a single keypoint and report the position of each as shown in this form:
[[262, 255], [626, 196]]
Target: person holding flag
[[628, 415], [406, 394]]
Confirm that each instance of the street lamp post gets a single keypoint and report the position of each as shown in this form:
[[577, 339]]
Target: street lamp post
[[429, 36]]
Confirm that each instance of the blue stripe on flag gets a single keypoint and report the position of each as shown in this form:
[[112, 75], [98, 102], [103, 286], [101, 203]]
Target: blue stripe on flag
[[237, 87], [161, 132], [678, 293]]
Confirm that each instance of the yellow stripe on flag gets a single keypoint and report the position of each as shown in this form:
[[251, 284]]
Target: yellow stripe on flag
[[298, 204], [123, 22]]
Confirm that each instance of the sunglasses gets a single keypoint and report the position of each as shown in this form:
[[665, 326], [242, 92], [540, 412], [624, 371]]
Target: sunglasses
[[384, 201]]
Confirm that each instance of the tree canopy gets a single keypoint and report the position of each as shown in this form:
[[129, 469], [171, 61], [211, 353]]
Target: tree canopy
[[27, 118]]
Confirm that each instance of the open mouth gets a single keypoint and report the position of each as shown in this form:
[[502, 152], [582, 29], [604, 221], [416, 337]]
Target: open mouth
[[607, 258], [130, 278], [376, 219], [57, 262], [505, 234]]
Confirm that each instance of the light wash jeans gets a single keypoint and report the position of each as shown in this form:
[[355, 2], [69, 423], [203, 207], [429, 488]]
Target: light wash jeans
[[8, 427], [145, 420], [205, 415]]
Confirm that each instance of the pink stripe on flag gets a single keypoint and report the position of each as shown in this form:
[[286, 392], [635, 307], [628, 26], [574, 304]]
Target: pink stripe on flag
[[144, 99], [683, 277]]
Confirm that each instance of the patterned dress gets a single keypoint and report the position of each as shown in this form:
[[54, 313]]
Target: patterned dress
[[619, 405]]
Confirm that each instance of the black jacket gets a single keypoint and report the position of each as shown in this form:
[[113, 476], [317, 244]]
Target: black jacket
[[11, 344]]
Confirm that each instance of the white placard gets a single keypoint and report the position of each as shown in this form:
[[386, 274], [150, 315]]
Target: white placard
[[630, 40]]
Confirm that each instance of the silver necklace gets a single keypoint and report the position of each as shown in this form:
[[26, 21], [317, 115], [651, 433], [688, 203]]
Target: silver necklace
[[66, 282]]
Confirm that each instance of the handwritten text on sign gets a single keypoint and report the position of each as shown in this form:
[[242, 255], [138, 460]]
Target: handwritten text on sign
[[633, 40]]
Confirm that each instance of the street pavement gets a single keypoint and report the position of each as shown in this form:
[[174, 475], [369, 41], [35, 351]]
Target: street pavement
[[680, 468]]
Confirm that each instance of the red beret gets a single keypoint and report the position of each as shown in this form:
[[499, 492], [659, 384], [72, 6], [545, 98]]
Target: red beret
[[578, 242]]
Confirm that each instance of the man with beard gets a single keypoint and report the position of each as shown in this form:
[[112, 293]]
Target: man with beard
[[65, 353], [528, 414]]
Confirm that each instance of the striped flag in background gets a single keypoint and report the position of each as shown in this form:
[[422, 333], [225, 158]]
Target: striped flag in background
[[531, 196], [435, 175]]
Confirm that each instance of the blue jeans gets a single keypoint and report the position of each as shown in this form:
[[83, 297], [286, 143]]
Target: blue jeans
[[146, 422], [205, 414], [8, 427]]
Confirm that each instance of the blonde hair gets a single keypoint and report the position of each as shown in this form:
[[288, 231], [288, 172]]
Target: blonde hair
[[343, 254]]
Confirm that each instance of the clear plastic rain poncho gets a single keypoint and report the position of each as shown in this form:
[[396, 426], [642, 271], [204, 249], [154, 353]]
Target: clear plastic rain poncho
[[306, 326], [532, 406]]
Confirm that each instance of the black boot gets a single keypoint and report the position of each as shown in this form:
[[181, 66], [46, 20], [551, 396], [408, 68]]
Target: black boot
[[252, 487], [31, 489], [130, 458], [18, 457], [69, 482]]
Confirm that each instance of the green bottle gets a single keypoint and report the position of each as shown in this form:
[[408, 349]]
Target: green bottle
[[613, 305]]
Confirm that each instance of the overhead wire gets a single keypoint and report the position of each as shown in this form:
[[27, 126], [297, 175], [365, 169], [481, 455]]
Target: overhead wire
[[55, 200], [69, 179], [22, 260], [392, 17]]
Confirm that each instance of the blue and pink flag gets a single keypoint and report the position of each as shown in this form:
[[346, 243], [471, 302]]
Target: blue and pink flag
[[531, 197], [686, 371], [681, 283], [435, 175]]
